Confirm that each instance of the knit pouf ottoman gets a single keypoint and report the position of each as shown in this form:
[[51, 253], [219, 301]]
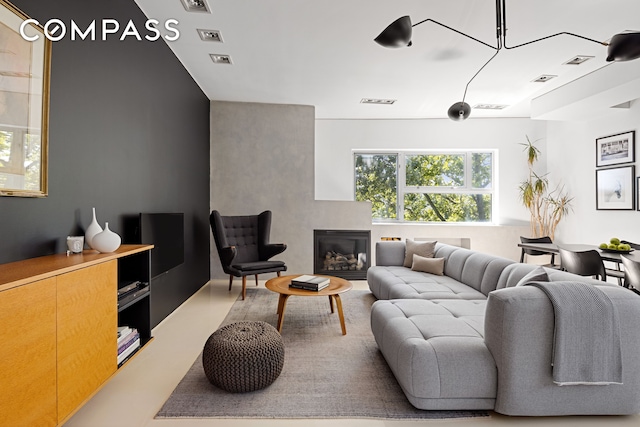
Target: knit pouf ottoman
[[243, 356]]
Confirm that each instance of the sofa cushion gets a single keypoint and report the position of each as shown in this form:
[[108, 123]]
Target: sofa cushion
[[401, 282], [428, 265], [477, 270], [513, 273], [436, 351], [539, 274], [390, 253], [424, 249]]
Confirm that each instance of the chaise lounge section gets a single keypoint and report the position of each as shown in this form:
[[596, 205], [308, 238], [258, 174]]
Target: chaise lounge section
[[471, 339]]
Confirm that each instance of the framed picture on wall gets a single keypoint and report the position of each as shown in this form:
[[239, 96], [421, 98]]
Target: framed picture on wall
[[615, 149], [638, 195], [24, 104], [615, 188]]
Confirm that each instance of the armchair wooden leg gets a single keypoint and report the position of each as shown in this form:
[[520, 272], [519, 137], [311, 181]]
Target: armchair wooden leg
[[244, 287], [230, 281], [256, 280], [278, 274]]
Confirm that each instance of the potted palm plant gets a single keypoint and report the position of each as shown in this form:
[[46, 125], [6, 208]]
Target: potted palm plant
[[547, 205]]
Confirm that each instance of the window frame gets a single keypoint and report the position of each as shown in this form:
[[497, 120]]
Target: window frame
[[402, 188]]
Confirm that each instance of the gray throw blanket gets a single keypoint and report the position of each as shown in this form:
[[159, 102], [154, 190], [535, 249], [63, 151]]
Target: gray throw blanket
[[586, 347]]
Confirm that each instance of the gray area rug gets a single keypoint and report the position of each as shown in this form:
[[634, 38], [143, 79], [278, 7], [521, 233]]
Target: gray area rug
[[325, 374]]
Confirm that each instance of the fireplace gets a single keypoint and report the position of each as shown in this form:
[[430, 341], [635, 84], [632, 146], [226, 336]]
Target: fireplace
[[342, 253]]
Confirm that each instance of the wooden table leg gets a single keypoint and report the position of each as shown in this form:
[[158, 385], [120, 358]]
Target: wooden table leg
[[282, 302], [331, 303], [281, 298], [340, 314]]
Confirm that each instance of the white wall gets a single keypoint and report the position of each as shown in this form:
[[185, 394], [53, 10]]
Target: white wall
[[572, 158], [337, 139]]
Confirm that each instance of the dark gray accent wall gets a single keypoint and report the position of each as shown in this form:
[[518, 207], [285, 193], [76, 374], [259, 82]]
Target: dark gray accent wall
[[129, 133]]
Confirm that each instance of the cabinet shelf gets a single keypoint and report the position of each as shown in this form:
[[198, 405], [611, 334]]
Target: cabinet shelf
[[129, 300], [60, 315]]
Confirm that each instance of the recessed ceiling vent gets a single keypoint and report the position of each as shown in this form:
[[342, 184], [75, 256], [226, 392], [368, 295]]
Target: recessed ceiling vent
[[543, 78], [220, 59], [210, 35], [196, 6], [489, 107], [377, 101], [578, 59]]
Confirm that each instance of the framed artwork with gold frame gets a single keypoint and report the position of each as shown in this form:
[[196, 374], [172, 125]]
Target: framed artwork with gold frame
[[25, 68]]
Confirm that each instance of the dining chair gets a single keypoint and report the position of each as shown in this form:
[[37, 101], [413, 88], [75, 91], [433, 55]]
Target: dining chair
[[533, 252], [616, 272], [585, 263], [631, 273]]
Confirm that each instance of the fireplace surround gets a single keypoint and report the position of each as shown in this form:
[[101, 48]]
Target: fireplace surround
[[342, 253]]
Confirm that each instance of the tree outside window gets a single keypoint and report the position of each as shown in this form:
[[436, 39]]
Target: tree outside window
[[427, 187]]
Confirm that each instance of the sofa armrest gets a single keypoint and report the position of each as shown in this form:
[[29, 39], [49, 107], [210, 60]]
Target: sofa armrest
[[519, 329], [390, 253]]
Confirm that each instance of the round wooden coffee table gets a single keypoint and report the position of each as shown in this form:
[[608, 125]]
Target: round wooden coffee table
[[333, 291]]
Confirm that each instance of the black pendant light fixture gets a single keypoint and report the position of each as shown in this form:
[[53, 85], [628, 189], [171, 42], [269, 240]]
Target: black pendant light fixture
[[622, 47]]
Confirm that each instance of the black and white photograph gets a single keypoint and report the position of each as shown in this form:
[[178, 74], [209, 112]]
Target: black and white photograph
[[615, 149], [614, 188]]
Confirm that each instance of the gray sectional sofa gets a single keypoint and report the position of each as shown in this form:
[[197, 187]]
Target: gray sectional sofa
[[472, 339]]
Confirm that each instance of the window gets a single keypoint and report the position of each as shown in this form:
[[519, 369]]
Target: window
[[427, 186], [376, 181]]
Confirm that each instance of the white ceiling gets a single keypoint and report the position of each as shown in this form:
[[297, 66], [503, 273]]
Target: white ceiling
[[322, 53]]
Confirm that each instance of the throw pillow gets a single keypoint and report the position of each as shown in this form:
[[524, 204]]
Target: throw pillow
[[424, 249], [537, 275], [428, 265]]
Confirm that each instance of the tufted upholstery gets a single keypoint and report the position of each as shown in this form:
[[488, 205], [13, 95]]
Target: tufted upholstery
[[401, 282], [243, 245], [443, 338], [436, 351], [468, 275], [512, 274]]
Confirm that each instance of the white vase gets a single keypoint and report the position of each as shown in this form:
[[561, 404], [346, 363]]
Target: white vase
[[106, 241], [93, 229]]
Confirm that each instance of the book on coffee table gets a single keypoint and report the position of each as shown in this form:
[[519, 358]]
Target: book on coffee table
[[312, 283]]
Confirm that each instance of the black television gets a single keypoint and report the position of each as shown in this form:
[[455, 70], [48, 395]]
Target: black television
[[166, 232]]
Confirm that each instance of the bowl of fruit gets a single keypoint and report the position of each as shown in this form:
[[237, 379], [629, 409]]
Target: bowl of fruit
[[615, 246]]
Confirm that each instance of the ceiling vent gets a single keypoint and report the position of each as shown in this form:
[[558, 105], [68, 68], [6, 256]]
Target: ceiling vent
[[543, 78], [489, 107], [196, 6], [210, 35], [578, 59], [377, 101], [220, 59]]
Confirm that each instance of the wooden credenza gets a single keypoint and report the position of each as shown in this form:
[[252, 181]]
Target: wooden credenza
[[59, 316]]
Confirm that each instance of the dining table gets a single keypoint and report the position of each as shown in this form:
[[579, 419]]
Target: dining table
[[606, 255]]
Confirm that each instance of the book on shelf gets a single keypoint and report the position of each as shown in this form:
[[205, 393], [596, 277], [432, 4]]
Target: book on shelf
[[308, 287], [308, 280], [128, 351], [123, 332], [128, 342]]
